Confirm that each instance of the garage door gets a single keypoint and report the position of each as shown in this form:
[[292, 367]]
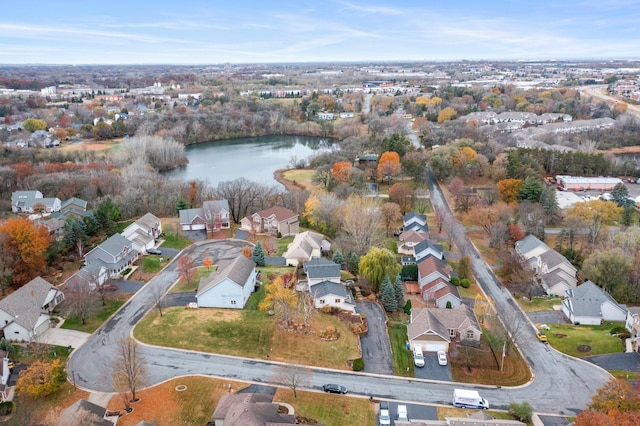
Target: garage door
[[434, 347], [197, 226], [42, 327]]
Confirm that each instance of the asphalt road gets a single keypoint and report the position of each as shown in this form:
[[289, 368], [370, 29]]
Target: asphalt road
[[376, 350], [620, 361]]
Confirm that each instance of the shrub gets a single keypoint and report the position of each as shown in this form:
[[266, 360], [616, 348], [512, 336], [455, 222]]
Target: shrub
[[455, 281], [409, 272], [407, 307], [7, 407], [617, 329], [522, 412], [358, 364], [465, 283], [449, 305]]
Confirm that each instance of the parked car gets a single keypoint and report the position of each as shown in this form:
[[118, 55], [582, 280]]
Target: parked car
[[333, 388], [402, 413], [154, 251], [385, 418], [542, 337], [442, 358]]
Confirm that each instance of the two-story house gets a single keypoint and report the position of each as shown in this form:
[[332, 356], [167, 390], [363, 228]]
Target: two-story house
[[116, 254], [273, 220]]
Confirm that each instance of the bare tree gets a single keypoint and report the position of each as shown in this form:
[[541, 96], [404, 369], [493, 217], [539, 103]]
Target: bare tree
[[361, 219], [158, 298], [244, 196], [390, 214], [129, 370], [306, 307], [187, 268], [81, 299], [293, 376], [422, 202]]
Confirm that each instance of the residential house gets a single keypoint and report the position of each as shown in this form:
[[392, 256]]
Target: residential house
[[434, 329], [250, 409], [479, 418], [229, 287], [5, 372], [25, 201], [216, 214], [192, 220], [25, 313], [330, 293], [430, 268], [273, 220], [589, 304], [426, 248], [408, 240], [633, 326], [304, 247], [85, 413], [557, 274], [415, 221], [441, 292], [530, 247], [74, 207], [116, 254], [367, 161], [320, 269], [144, 232]]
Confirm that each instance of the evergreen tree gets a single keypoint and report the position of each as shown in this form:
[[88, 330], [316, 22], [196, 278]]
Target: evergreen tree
[[549, 202], [407, 307], [257, 255], [182, 204], [620, 195], [354, 263], [388, 295], [399, 290], [339, 259], [530, 190]]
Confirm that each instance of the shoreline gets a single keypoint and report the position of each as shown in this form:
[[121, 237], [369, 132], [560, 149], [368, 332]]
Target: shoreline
[[289, 185]]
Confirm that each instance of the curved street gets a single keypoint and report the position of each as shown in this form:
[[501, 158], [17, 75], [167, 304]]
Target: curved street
[[562, 385]]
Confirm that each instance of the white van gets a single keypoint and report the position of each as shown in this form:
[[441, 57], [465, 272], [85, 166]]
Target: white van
[[402, 413], [418, 356]]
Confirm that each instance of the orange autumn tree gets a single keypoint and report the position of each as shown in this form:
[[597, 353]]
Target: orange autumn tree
[[23, 249], [341, 171], [509, 189], [388, 166]]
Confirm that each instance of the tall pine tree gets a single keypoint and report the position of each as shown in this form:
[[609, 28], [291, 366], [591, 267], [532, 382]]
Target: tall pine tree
[[388, 295], [339, 259], [399, 290], [257, 255]]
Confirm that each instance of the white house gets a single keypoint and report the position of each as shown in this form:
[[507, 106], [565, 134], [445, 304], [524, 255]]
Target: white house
[[116, 254], [633, 326], [557, 274], [229, 287], [25, 313], [329, 293], [144, 232], [4, 375], [25, 201], [441, 292], [304, 247], [426, 248], [319, 269], [530, 247], [590, 305], [415, 221]]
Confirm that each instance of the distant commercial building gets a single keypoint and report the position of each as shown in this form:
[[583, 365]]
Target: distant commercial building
[[599, 183]]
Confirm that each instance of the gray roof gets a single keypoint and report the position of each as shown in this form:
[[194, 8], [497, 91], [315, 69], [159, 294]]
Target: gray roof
[[529, 243], [427, 244], [188, 215], [418, 227], [319, 267], [422, 218], [238, 271], [552, 258], [586, 300], [73, 201], [250, 410], [149, 221], [25, 304], [328, 287], [441, 321], [84, 413], [114, 244]]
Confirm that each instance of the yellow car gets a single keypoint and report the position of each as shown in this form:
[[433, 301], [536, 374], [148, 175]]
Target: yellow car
[[542, 337]]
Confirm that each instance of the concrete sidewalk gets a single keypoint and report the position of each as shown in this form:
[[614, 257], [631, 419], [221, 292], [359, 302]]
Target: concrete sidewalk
[[63, 337]]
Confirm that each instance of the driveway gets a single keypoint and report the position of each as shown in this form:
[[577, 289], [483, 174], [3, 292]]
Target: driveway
[[548, 317], [432, 370], [125, 286], [179, 299], [64, 337], [621, 361], [195, 236], [376, 350]]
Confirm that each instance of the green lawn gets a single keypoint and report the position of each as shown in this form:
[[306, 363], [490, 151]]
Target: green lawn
[[402, 359], [567, 338], [538, 303], [175, 241], [95, 321], [283, 243], [230, 332], [255, 299], [120, 226], [184, 286], [151, 265]]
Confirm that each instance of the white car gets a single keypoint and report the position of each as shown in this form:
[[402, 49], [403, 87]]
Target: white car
[[442, 358]]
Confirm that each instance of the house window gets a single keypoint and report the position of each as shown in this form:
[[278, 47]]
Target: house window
[[471, 334], [322, 301], [452, 332], [338, 301], [233, 302]]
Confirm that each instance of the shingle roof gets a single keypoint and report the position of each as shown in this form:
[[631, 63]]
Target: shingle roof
[[25, 304], [319, 267], [328, 287], [418, 227], [412, 236], [149, 221], [280, 213], [552, 258], [529, 243], [430, 264], [189, 215], [441, 321], [586, 300], [238, 271], [427, 244], [414, 215], [84, 413], [303, 244]]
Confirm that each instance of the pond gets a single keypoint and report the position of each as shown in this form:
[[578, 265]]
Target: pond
[[253, 158]]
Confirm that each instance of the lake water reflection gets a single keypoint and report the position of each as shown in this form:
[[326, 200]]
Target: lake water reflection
[[253, 158]]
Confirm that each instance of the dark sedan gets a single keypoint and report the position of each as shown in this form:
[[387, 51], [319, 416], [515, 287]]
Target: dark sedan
[[332, 388]]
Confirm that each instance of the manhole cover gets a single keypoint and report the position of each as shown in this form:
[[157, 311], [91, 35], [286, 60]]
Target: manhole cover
[[181, 388], [584, 348]]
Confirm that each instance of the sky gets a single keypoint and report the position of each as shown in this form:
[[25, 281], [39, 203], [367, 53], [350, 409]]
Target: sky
[[216, 32]]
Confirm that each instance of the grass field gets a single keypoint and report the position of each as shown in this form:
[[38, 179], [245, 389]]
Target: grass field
[[301, 177], [330, 409], [567, 338], [402, 359], [95, 321], [283, 243], [249, 333], [151, 265], [183, 286], [175, 241], [444, 412], [538, 303]]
